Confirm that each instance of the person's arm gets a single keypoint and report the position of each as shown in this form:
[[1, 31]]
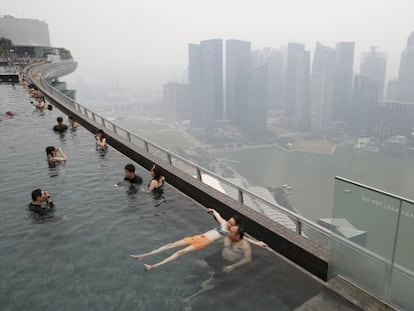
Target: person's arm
[[63, 155], [217, 216], [247, 257], [255, 242], [153, 184]]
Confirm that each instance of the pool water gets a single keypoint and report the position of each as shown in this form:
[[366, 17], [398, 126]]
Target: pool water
[[79, 258]]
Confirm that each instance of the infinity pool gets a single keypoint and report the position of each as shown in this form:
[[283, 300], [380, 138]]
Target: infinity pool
[[79, 258]]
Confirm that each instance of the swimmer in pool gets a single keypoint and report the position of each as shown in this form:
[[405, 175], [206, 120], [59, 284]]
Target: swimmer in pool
[[192, 243]]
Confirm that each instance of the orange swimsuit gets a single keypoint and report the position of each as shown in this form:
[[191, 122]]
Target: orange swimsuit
[[197, 241]]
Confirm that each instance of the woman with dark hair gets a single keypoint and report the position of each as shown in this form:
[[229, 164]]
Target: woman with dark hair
[[100, 137], [52, 155], [157, 180]]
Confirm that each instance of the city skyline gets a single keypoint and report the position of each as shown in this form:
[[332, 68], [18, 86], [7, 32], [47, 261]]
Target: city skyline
[[144, 44]]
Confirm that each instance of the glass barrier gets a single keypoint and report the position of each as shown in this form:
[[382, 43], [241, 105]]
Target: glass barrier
[[371, 242], [402, 280]]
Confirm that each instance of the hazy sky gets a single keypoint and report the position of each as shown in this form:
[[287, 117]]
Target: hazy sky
[[144, 43]]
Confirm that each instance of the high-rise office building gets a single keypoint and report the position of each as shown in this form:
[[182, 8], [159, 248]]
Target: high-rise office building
[[364, 105], [294, 50], [176, 101], [276, 60], [406, 74], [238, 66], [256, 124], [194, 84], [343, 80], [211, 57], [392, 89], [374, 65], [301, 115], [322, 87]]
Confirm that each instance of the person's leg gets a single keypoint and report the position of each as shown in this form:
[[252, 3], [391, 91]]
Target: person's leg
[[173, 257], [161, 249]]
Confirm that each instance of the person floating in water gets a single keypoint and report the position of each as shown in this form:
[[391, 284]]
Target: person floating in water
[[38, 198], [193, 243]]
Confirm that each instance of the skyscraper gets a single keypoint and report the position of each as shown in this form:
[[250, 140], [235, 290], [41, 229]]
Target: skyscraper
[[238, 66], [194, 84], [294, 49], [406, 74], [206, 83], [343, 80], [322, 87], [374, 65], [256, 123]]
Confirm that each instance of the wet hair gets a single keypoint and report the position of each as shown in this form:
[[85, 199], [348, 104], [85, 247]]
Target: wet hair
[[49, 107], [237, 219], [102, 133], [157, 172], [240, 231], [70, 118], [130, 168], [36, 193], [59, 119], [50, 150]]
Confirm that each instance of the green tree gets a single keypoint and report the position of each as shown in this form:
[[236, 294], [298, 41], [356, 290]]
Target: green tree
[[5, 46]]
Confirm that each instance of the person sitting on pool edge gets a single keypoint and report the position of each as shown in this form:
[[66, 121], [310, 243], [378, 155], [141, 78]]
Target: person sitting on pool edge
[[38, 197]]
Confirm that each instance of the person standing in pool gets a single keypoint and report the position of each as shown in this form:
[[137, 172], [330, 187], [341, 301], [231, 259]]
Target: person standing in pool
[[157, 181], [38, 198], [101, 143], [193, 243]]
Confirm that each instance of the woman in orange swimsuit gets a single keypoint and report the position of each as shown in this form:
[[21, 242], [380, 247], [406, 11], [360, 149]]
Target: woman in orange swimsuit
[[192, 243]]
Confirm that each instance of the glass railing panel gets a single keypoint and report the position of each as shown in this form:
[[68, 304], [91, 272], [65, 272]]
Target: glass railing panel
[[363, 225], [320, 238], [184, 166], [402, 281]]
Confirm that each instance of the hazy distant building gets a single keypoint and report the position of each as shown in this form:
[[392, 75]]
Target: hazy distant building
[[392, 89], [176, 100], [322, 87], [276, 60], [238, 67], [205, 75], [294, 50], [374, 65], [343, 80], [406, 74], [194, 84], [364, 104], [301, 116], [277, 78], [25, 31], [29, 36], [257, 102], [297, 86], [393, 118]]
